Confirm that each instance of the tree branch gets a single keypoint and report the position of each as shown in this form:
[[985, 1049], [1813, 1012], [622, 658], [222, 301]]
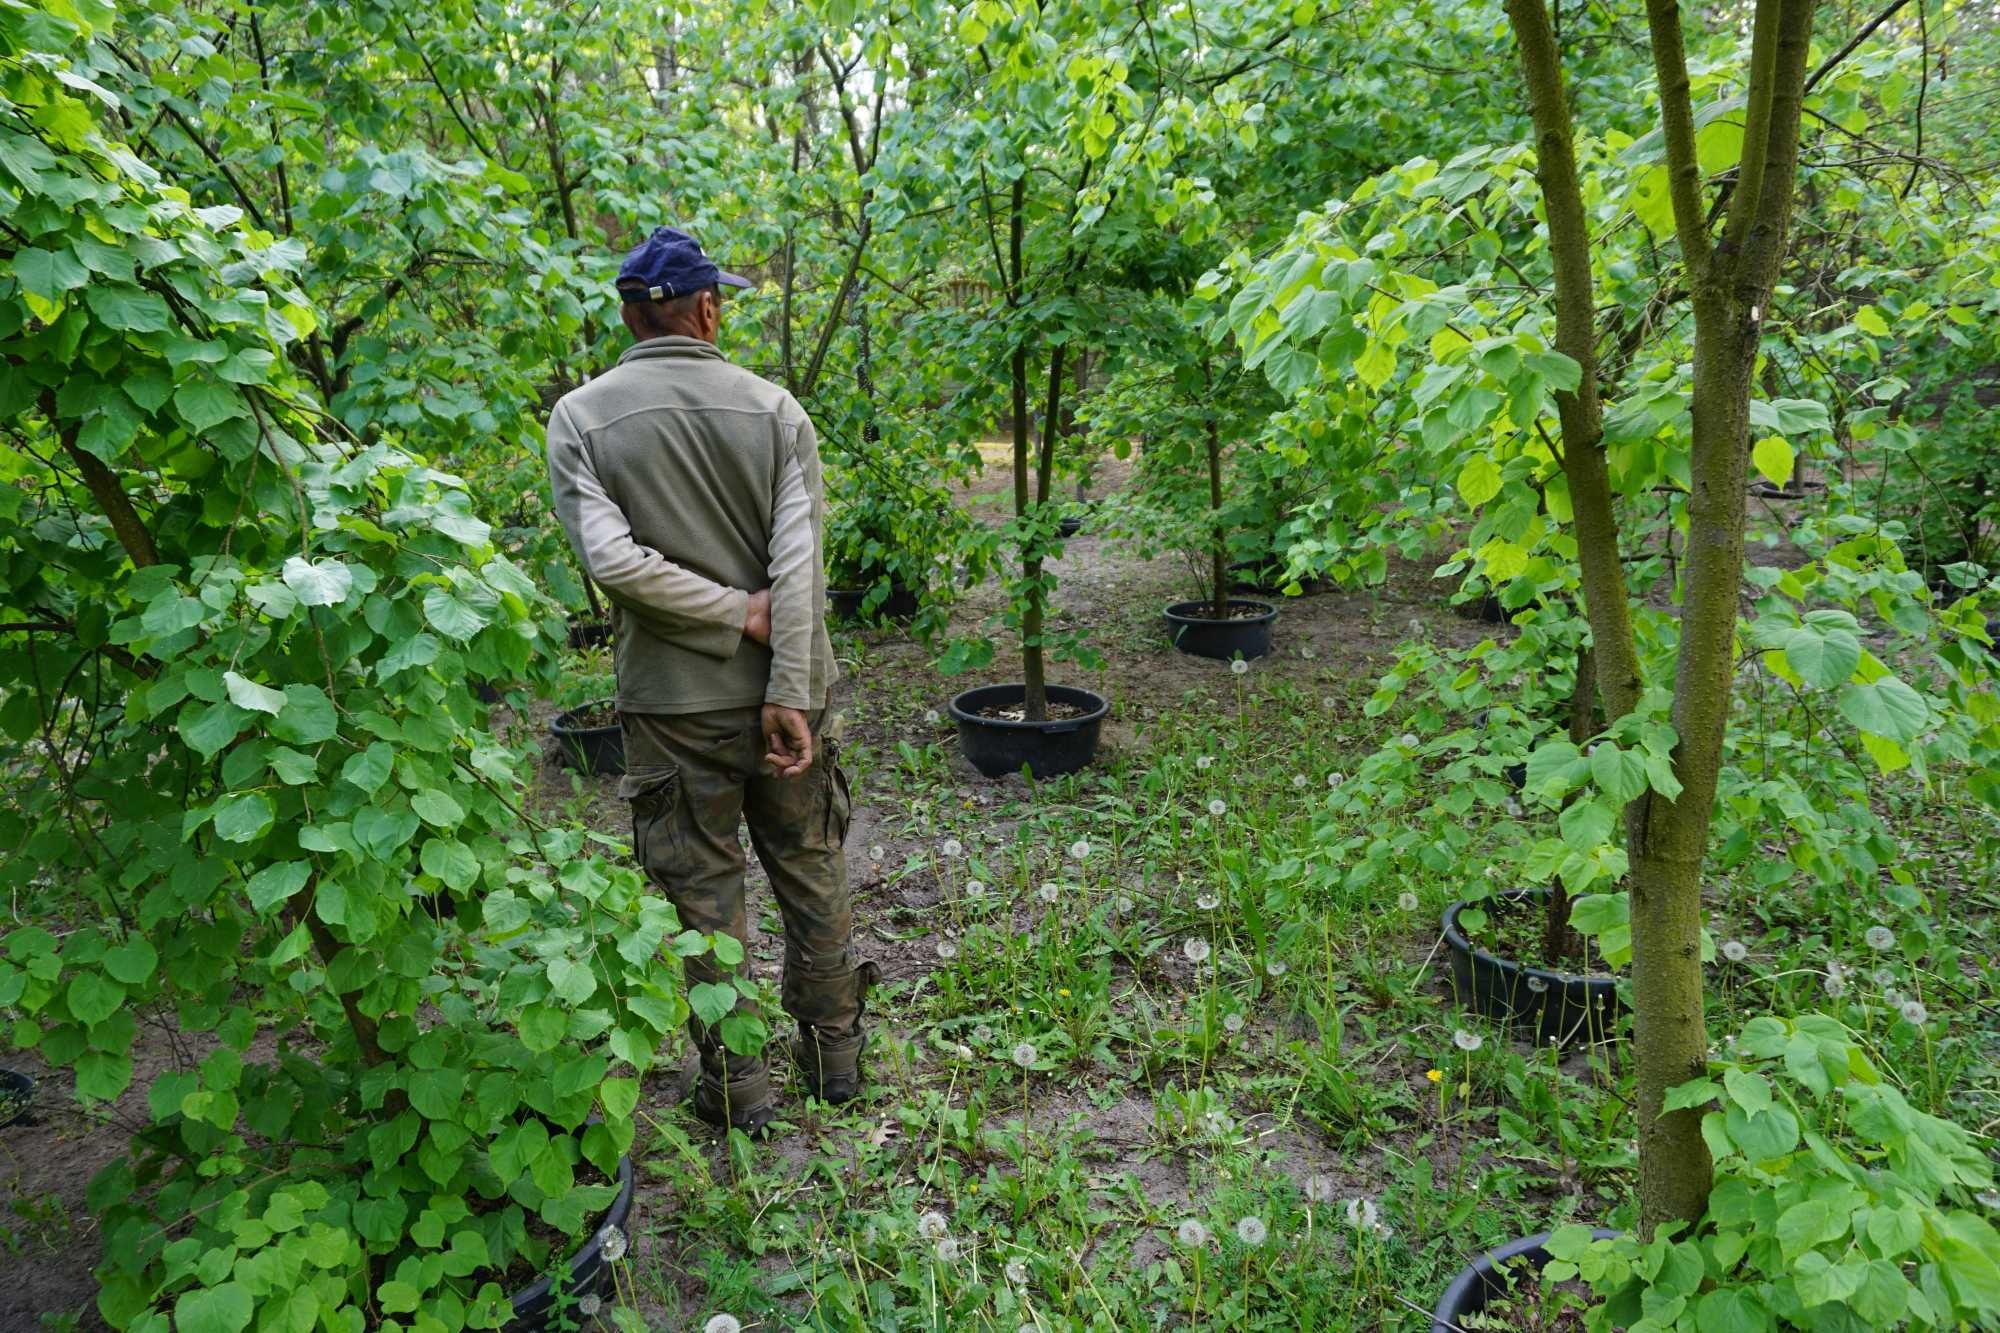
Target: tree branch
[[102, 483], [1663, 19]]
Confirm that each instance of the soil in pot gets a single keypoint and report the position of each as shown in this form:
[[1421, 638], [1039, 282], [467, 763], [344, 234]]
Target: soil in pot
[[1500, 1290], [900, 604], [589, 633], [1497, 974], [996, 737], [1244, 632], [589, 739]]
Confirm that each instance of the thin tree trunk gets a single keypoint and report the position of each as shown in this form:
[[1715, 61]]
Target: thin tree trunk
[[1562, 942], [1218, 553], [1033, 675]]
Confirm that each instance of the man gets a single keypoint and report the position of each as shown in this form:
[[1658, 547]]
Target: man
[[690, 489]]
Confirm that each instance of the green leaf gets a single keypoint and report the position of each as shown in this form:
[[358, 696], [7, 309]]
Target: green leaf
[[220, 1309], [127, 308], [103, 1076], [248, 694], [1819, 1280], [1869, 320], [436, 1093], [712, 1001], [574, 982], [1825, 659], [1885, 707], [727, 948], [204, 403], [48, 273], [1478, 480], [1696, 1092], [308, 717], [244, 818], [1731, 1310], [398, 1297], [276, 883], [505, 911], [451, 617], [93, 997], [1619, 774], [437, 809], [1773, 457], [1375, 365], [323, 582], [133, 961], [369, 768], [542, 1028], [451, 861], [1587, 825], [1763, 1135], [619, 1096], [208, 729]]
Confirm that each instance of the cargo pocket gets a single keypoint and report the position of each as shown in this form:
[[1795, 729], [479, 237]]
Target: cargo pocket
[[654, 792], [839, 800]]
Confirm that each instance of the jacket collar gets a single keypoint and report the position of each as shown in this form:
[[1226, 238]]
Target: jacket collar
[[673, 345]]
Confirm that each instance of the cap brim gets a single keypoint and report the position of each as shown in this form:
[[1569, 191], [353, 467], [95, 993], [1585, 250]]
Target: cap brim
[[728, 279]]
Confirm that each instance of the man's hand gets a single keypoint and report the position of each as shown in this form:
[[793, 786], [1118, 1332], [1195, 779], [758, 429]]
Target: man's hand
[[788, 740], [757, 618]]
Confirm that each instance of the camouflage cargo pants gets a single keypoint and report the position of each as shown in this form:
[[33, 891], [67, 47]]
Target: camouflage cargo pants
[[693, 779]]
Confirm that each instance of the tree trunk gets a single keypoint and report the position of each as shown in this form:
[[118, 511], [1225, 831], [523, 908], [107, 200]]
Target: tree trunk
[[1033, 675], [1562, 942], [1218, 552]]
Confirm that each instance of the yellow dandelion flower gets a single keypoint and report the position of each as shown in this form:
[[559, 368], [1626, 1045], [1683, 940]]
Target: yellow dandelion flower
[[1434, 1075], [1063, 991]]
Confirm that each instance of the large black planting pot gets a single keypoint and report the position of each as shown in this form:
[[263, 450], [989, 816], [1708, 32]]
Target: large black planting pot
[[1491, 1276], [996, 746], [17, 1094], [900, 604], [1558, 1006], [589, 1270], [1198, 635], [589, 633], [590, 749]]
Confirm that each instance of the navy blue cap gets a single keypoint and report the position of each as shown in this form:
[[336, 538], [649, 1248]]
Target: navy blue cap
[[667, 264]]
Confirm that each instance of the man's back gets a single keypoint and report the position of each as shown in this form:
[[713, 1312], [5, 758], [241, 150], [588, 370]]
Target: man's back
[[691, 451]]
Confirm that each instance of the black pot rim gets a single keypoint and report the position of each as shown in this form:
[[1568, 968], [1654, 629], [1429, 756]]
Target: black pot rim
[[616, 1215], [1099, 706], [1475, 1275], [1177, 612], [1456, 939], [564, 723]]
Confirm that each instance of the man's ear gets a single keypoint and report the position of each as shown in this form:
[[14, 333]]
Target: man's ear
[[708, 309]]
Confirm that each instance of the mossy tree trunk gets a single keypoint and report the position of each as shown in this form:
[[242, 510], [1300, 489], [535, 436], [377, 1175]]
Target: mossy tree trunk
[[1033, 673], [1729, 280]]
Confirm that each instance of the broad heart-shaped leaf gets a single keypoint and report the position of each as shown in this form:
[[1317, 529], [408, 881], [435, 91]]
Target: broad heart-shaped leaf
[[619, 1096], [209, 728], [133, 961], [1731, 1310], [452, 617], [103, 1076], [48, 273], [711, 1001], [1478, 480], [1825, 658], [370, 768], [1619, 774], [1886, 707], [220, 1309], [308, 716], [206, 403], [1773, 457], [451, 861], [277, 882], [247, 693], [244, 817], [1587, 825], [1762, 1135], [1818, 1279], [323, 582], [573, 981], [436, 1093], [94, 997]]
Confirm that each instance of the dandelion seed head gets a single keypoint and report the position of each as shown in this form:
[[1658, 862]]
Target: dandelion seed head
[[975, 888], [932, 1224], [1408, 740], [613, 1248], [1124, 905], [1299, 781], [1208, 902], [1328, 702], [932, 717], [1017, 1272], [1192, 1234], [1079, 850], [1277, 967], [1914, 1013], [1333, 780], [1880, 938], [1195, 950], [962, 1051], [1834, 985], [589, 1305], [947, 950], [877, 852], [1537, 984], [1735, 950], [1407, 901], [1319, 1188], [947, 1250], [1024, 1054], [1467, 1041], [982, 1034], [1204, 762], [1049, 892], [1361, 1213], [722, 1323], [953, 848], [1251, 1230], [1239, 667], [1218, 807], [1233, 1023]]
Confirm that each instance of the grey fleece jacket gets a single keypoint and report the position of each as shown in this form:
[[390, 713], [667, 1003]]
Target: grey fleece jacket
[[685, 482]]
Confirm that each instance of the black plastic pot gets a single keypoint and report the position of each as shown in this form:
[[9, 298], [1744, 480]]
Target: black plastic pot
[[590, 749], [1268, 580], [589, 1271], [900, 604], [1558, 1006], [1485, 609], [1491, 1276], [1194, 633], [997, 747], [589, 633], [17, 1095], [1069, 526]]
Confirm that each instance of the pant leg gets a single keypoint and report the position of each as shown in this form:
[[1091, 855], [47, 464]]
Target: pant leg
[[799, 827], [687, 777]]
